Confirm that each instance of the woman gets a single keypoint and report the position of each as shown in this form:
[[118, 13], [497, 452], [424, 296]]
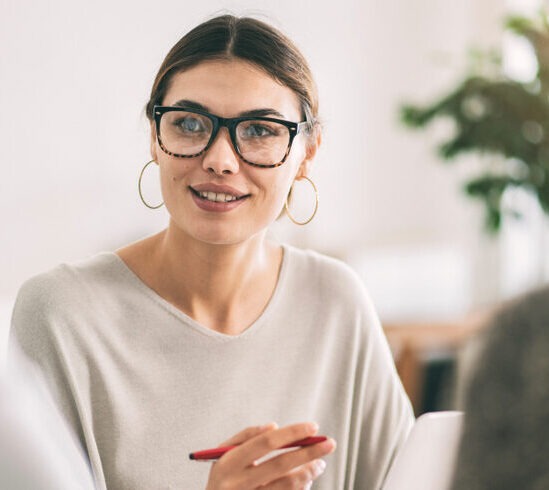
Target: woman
[[175, 342]]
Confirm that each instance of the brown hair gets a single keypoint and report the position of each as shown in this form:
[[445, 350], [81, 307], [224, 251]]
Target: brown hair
[[228, 37]]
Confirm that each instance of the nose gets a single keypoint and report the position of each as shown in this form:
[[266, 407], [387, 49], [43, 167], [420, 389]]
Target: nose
[[221, 157]]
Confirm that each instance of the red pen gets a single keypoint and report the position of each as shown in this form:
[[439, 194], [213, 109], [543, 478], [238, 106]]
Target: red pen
[[217, 452]]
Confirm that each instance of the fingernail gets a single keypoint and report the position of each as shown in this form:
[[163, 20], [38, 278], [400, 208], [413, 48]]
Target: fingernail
[[270, 425], [313, 426], [332, 443]]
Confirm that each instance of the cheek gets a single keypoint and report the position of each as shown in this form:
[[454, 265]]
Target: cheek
[[172, 173], [291, 172], [278, 189], [174, 170], [285, 185]]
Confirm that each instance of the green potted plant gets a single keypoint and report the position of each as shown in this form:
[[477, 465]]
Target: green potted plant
[[494, 114]]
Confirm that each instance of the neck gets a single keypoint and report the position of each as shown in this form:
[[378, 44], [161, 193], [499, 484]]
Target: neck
[[223, 287]]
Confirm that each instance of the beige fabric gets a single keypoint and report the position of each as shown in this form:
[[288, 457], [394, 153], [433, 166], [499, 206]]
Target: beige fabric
[[143, 384]]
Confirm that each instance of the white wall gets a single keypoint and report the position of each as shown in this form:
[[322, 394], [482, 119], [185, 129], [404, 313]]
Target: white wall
[[75, 76]]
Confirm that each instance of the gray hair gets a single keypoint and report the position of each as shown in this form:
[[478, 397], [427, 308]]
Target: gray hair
[[505, 443]]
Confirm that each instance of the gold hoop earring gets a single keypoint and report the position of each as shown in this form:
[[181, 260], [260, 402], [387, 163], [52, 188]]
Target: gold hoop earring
[[287, 208], [141, 193]]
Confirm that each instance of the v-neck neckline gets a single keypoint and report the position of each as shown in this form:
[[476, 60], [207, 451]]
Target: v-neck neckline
[[188, 320]]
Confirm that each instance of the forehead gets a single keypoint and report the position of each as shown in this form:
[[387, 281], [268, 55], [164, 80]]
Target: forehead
[[228, 88]]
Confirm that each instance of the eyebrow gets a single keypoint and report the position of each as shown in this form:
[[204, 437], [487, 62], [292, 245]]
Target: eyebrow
[[263, 112]]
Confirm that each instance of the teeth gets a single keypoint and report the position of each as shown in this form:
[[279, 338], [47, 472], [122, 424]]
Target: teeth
[[217, 197]]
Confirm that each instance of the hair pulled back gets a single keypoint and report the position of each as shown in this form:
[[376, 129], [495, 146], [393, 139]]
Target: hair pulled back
[[228, 37]]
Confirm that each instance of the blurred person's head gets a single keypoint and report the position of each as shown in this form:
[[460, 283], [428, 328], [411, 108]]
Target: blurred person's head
[[505, 443]]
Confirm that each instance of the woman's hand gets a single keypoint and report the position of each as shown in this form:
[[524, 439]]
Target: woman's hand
[[239, 468]]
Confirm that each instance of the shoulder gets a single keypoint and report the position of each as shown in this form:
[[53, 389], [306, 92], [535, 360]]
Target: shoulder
[[67, 280], [65, 291], [324, 272], [328, 282]]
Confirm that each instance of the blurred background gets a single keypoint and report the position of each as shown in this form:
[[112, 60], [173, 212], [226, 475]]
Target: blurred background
[[76, 75]]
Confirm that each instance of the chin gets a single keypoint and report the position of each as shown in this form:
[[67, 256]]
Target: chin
[[230, 232]]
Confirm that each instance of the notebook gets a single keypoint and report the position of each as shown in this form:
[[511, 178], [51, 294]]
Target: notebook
[[426, 460]]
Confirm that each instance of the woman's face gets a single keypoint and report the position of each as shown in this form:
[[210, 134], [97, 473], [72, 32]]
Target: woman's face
[[228, 89]]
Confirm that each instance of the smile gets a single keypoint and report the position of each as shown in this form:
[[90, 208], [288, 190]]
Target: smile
[[209, 200], [218, 197]]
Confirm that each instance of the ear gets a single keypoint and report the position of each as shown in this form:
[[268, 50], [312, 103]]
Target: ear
[[153, 142], [311, 149]]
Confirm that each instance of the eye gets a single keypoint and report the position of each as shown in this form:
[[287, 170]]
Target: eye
[[259, 130], [189, 124]]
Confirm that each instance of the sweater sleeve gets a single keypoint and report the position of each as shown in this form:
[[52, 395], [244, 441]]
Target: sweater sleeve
[[387, 414], [35, 329], [41, 328], [382, 413]]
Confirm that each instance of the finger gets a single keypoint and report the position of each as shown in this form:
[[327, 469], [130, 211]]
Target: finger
[[261, 445], [284, 464], [248, 433], [301, 477]]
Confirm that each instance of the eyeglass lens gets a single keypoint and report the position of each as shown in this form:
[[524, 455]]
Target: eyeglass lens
[[260, 142]]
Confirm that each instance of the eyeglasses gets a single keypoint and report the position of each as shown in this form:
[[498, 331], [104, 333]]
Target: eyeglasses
[[259, 141]]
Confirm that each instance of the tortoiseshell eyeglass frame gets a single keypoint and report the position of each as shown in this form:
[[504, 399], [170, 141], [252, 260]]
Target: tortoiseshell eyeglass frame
[[230, 123]]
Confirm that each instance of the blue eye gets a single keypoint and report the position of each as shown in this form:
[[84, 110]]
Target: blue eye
[[257, 130], [190, 124], [260, 129]]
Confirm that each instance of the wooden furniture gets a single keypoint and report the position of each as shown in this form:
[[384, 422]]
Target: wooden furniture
[[413, 344]]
